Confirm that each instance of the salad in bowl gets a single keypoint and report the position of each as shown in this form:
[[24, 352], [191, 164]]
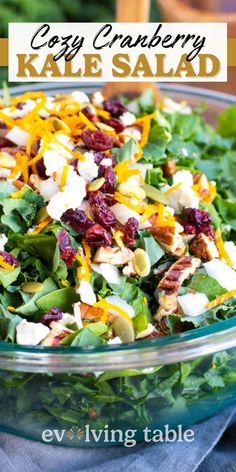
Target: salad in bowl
[[117, 219]]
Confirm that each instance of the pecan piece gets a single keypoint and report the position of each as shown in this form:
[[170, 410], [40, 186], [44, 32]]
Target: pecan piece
[[169, 168], [181, 270], [169, 237], [204, 247]]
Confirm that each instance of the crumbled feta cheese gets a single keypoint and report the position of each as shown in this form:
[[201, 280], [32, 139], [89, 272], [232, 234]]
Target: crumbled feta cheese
[[18, 136], [53, 161], [131, 133], [127, 118], [115, 340], [184, 177], [193, 304], [87, 168], [28, 333], [49, 105], [80, 97], [77, 315], [3, 241], [110, 273], [48, 188], [170, 106], [86, 293], [221, 272], [97, 99], [71, 197], [15, 113], [120, 303], [4, 173], [231, 251], [107, 161]]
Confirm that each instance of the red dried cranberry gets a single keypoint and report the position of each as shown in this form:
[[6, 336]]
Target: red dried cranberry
[[110, 200], [20, 105], [189, 229], [110, 177], [115, 107], [68, 253], [77, 219], [97, 140], [96, 198], [9, 259], [88, 112], [99, 156], [98, 236], [54, 314], [130, 229], [116, 124], [4, 142], [2, 125], [196, 216], [207, 230], [41, 168], [104, 215]]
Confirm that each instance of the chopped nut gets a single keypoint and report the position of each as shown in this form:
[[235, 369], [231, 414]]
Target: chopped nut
[[128, 270], [203, 247], [58, 332], [116, 256], [178, 272], [92, 313], [169, 168], [170, 238], [168, 304]]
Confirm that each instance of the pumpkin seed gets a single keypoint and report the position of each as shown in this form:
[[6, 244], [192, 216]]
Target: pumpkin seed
[[32, 287], [6, 160], [141, 262], [41, 215], [132, 190], [58, 125], [104, 127], [154, 194], [124, 329], [96, 184]]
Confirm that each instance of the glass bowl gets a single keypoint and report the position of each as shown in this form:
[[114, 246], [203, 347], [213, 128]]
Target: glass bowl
[[120, 394]]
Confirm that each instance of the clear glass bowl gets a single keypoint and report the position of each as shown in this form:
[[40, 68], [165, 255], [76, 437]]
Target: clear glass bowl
[[59, 395]]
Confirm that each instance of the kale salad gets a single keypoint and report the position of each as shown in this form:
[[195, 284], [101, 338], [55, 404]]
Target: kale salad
[[117, 219]]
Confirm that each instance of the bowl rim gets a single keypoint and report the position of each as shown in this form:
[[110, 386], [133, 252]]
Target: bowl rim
[[139, 355]]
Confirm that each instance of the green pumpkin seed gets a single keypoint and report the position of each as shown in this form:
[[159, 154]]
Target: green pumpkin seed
[[141, 262], [32, 287], [59, 125], [124, 329], [104, 127], [127, 189], [41, 215], [154, 194], [96, 184]]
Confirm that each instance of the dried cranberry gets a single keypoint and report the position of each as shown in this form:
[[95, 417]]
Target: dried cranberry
[[77, 219], [54, 314], [130, 229], [96, 198], [115, 107], [20, 105], [207, 230], [99, 156], [9, 259], [110, 177], [41, 168], [2, 125], [4, 142], [104, 215], [68, 253], [88, 112], [196, 216], [189, 229], [97, 140], [98, 236], [116, 124], [110, 200]]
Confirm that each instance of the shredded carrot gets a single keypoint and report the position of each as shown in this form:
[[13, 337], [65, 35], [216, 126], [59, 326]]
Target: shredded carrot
[[123, 171], [145, 133], [65, 283], [221, 299], [121, 199], [117, 236], [87, 251], [40, 227], [105, 114], [85, 267], [78, 155], [109, 306], [172, 189], [220, 246], [87, 122], [64, 176], [210, 197], [146, 117]]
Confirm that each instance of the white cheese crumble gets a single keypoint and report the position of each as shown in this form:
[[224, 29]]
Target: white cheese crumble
[[18, 136], [28, 333], [225, 275], [231, 250], [86, 293], [13, 112], [87, 168], [80, 97], [193, 304], [127, 118], [71, 197], [3, 241], [48, 188]]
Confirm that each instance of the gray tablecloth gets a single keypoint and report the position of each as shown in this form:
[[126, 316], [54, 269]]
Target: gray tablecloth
[[213, 450]]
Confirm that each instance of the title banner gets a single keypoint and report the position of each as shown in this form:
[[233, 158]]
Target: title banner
[[117, 52]]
